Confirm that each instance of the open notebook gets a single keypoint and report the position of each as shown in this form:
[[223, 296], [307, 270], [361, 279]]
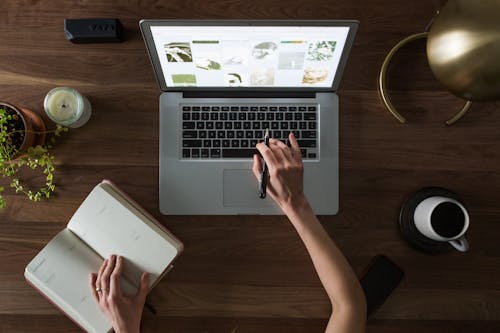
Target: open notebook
[[107, 222]]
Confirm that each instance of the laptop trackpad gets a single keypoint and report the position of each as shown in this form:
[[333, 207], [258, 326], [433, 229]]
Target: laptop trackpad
[[241, 189]]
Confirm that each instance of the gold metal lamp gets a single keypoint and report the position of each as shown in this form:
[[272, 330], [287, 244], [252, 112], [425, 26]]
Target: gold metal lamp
[[463, 51]]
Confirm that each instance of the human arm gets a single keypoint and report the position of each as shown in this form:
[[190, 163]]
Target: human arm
[[124, 312], [285, 186]]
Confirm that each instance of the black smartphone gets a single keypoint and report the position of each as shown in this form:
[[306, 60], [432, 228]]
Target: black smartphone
[[380, 278]]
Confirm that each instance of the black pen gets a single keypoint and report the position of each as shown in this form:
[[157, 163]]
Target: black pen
[[263, 175]]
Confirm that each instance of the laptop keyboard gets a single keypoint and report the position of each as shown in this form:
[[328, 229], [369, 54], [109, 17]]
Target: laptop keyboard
[[232, 131]]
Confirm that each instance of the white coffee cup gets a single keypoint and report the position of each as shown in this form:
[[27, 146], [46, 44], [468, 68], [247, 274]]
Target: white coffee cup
[[443, 219]]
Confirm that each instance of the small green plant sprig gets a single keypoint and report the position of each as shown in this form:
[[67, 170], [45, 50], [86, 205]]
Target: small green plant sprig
[[35, 157]]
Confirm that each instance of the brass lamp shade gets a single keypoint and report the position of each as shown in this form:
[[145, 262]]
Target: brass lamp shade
[[463, 48], [463, 51]]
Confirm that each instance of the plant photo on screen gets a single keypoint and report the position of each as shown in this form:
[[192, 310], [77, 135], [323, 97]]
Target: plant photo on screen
[[321, 50]]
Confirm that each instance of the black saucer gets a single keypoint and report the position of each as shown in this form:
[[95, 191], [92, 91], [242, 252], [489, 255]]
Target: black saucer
[[407, 224]]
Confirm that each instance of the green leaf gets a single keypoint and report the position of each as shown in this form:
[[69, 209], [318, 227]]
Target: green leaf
[[35, 157]]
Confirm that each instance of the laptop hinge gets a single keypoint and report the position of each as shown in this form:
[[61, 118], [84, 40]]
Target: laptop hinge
[[248, 94]]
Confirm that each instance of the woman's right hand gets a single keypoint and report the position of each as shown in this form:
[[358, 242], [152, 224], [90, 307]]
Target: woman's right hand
[[286, 172]]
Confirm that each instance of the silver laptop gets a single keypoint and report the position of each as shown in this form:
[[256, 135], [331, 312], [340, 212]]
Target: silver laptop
[[223, 84]]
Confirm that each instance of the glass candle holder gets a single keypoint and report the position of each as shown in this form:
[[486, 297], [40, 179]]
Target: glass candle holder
[[67, 107]]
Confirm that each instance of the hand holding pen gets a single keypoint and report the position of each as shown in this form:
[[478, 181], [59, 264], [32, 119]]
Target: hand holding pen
[[284, 170]]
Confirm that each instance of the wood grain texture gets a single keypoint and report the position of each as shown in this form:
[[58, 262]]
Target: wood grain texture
[[247, 273]]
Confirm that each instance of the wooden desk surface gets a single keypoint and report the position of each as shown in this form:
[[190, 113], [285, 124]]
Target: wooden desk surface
[[245, 273]]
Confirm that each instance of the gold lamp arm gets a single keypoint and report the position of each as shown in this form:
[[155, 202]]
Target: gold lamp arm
[[382, 82]]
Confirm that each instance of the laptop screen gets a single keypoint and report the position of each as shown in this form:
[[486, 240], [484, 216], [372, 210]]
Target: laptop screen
[[249, 56]]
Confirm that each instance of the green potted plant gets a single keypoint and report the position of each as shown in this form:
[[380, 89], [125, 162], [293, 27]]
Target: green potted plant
[[22, 144]]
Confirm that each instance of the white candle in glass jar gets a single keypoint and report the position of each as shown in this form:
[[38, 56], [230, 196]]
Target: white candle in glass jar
[[67, 107]]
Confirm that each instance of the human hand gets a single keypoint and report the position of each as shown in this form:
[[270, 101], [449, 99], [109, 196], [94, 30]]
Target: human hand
[[286, 172], [124, 312]]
